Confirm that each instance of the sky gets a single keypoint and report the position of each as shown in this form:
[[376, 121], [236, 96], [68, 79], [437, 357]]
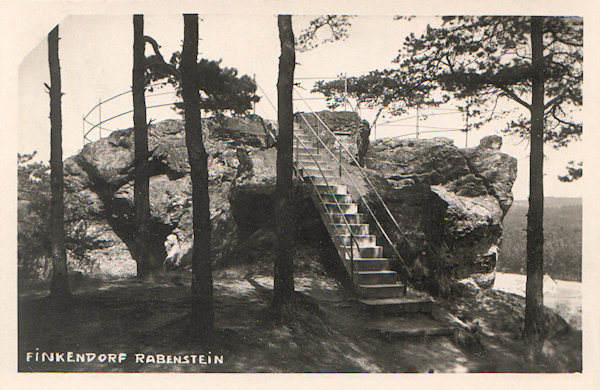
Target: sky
[[96, 60]]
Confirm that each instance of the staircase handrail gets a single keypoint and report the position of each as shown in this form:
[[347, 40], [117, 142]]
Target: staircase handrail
[[352, 238], [272, 136], [380, 227], [355, 162]]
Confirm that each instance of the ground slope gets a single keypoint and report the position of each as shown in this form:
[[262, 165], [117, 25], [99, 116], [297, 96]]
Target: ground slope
[[327, 333]]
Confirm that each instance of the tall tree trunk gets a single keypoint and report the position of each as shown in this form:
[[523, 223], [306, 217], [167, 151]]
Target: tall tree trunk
[[202, 316], [59, 288], [534, 321], [284, 268], [141, 197]]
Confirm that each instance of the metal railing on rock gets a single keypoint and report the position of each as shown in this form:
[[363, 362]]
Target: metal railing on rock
[[401, 261], [101, 121], [348, 249]]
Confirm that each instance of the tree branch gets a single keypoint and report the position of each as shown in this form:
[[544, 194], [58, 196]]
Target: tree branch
[[566, 42], [575, 126], [509, 92], [554, 101], [160, 59]]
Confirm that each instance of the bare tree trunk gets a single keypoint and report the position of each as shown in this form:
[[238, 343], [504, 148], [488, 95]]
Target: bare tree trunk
[[284, 268], [534, 308], [202, 317], [59, 288], [141, 197]]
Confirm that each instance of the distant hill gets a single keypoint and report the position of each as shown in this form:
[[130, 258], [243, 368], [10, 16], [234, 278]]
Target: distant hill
[[550, 202], [562, 238]]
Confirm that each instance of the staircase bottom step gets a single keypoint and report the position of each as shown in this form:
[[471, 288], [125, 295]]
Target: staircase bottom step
[[412, 325], [381, 290], [398, 305]]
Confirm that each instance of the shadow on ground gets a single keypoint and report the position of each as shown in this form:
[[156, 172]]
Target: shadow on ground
[[327, 333]]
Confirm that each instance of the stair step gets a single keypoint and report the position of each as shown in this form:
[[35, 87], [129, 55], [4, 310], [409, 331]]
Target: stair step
[[306, 150], [356, 228], [304, 140], [381, 290], [346, 208], [361, 264], [337, 189], [309, 162], [361, 239], [306, 134], [302, 155], [375, 277], [346, 218], [306, 143], [365, 251], [342, 198], [316, 171], [318, 179], [342, 133], [311, 165], [404, 304]]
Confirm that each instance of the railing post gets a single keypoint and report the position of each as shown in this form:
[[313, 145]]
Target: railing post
[[254, 103], [467, 124], [100, 117], [417, 131], [340, 161], [351, 255], [345, 90], [318, 142]]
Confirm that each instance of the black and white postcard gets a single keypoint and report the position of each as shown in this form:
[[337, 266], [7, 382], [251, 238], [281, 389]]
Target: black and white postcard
[[294, 189]]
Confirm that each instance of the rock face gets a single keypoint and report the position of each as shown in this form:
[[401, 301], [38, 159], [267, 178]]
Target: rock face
[[103, 172], [450, 202], [242, 182]]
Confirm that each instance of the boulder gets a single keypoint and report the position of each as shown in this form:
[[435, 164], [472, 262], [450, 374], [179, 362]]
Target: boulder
[[102, 174], [449, 203], [497, 170]]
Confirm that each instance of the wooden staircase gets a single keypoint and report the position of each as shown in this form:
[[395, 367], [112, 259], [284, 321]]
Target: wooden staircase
[[373, 280]]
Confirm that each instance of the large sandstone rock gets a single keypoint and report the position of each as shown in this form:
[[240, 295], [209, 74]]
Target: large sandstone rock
[[449, 202], [103, 172]]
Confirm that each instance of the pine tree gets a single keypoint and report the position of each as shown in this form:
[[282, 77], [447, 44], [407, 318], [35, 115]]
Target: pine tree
[[283, 290], [59, 288], [202, 315], [141, 198], [533, 62]]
